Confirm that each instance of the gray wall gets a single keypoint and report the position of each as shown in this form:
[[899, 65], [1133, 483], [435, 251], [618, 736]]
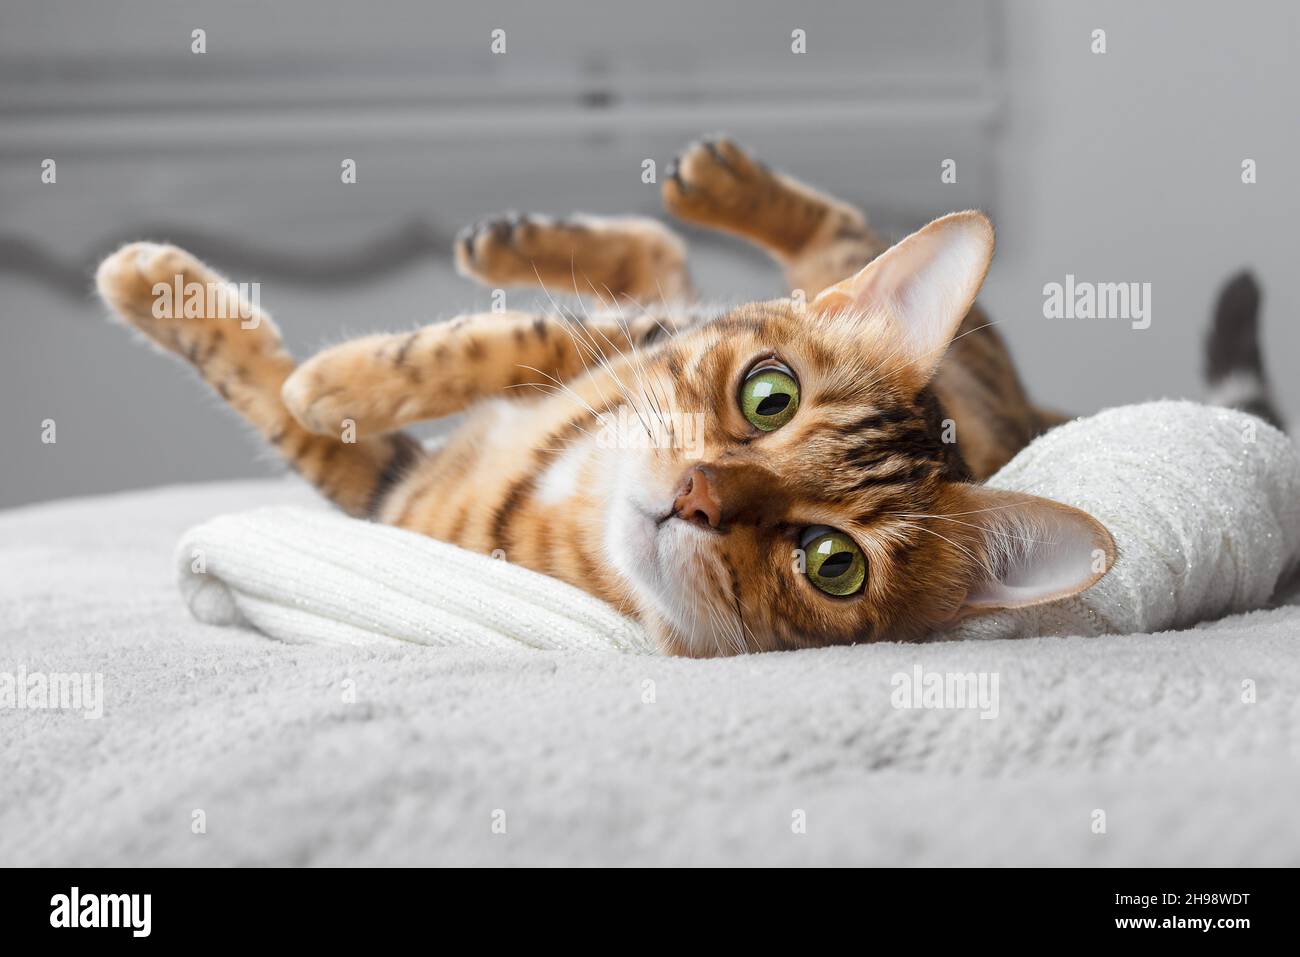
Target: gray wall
[[1121, 167], [1127, 167]]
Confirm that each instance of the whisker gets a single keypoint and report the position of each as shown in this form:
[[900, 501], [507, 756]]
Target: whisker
[[992, 531], [969, 554]]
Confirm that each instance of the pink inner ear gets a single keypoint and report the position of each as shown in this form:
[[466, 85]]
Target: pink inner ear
[[1041, 553], [927, 283]]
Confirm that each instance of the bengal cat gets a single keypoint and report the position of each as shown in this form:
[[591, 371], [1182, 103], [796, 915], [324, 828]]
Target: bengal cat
[[776, 475]]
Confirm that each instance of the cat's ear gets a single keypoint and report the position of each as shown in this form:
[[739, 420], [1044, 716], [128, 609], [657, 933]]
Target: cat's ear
[[926, 283], [1034, 550]]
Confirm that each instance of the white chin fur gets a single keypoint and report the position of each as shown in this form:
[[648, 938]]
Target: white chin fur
[[650, 557]]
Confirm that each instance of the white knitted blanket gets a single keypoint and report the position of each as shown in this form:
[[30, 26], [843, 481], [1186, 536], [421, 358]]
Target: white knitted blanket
[[1203, 502], [303, 575]]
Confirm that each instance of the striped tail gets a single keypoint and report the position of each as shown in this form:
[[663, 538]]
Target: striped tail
[[1234, 367]]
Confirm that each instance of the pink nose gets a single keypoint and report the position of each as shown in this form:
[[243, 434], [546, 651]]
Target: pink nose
[[696, 499]]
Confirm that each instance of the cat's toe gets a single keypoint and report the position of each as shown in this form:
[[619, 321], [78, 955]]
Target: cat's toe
[[124, 276], [710, 174], [481, 246], [130, 279], [299, 394]]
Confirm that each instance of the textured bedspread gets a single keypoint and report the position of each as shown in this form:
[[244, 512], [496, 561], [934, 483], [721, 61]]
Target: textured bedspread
[[1178, 748]]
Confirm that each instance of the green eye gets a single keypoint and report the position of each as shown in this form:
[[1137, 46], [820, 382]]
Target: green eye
[[769, 398], [833, 563]]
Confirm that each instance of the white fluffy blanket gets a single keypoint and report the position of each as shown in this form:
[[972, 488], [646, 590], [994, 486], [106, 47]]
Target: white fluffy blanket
[[401, 753]]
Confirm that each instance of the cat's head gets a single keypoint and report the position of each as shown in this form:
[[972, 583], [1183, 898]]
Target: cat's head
[[802, 490]]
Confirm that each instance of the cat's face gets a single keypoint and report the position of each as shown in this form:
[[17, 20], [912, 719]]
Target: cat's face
[[800, 491]]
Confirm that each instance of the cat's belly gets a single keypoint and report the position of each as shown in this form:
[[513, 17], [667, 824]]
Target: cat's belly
[[446, 495], [519, 481]]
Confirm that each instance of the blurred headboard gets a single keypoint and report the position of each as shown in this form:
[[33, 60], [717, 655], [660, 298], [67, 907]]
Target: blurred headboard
[[245, 141]]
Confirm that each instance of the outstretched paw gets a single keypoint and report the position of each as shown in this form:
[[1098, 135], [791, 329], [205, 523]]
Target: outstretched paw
[[503, 249], [132, 280], [713, 179], [184, 307], [581, 255], [715, 183]]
